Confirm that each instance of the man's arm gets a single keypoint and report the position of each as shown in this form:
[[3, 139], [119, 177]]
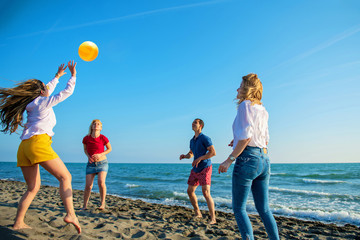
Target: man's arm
[[211, 152], [188, 155]]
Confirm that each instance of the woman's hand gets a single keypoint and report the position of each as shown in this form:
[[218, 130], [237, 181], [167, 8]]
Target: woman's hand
[[224, 166], [96, 157], [71, 66], [231, 144], [61, 71]]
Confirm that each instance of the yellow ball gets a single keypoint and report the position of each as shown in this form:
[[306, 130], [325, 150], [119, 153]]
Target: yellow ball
[[88, 51]]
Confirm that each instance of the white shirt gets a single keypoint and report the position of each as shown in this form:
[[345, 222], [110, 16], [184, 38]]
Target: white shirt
[[40, 115], [251, 122]]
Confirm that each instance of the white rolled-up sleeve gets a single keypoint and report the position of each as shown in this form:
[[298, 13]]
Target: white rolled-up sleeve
[[52, 84], [64, 94], [267, 136], [242, 127]]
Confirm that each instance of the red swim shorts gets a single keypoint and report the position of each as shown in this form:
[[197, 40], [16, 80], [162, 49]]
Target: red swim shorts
[[203, 177]]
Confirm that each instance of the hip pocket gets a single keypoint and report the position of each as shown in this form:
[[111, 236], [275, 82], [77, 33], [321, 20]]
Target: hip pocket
[[268, 165], [246, 167]]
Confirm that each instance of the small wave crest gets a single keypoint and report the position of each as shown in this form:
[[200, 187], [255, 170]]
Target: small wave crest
[[180, 194], [283, 174], [132, 185], [314, 193], [222, 201], [8, 179], [322, 176], [279, 174], [224, 204], [340, 217], [340, 176], [307, 180]]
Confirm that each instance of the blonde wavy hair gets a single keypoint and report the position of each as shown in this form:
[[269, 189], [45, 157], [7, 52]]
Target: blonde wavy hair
[[93, 121], [13, 102], [250, 89]]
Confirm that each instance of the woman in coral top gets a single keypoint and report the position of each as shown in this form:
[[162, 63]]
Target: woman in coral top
[[94, 148]]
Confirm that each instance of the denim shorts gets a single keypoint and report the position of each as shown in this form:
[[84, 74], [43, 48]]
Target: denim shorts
[[97, 167]]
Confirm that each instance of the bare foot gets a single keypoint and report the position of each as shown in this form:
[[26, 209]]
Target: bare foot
[[74, 221], [198, 216], [212, 221], [83, 208], [18, 226], [102, 207]]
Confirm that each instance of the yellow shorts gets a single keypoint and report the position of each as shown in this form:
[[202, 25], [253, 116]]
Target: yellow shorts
[[35, 150]]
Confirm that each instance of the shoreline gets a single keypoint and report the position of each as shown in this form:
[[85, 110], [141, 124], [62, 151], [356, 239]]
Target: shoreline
[[325, 220], [135, 219]]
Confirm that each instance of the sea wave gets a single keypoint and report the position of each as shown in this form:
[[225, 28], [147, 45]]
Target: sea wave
[[143, 179], [132, 185], [322, 176], [314, 193], [152, 179], [180, 194], [276, 174], [284, 174], [222, 201], [307, 180], [339, 217], [8, 179], [341, 176]]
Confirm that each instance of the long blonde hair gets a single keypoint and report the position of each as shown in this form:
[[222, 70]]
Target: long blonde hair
[[13, 102], [90, 128], [251, 89]]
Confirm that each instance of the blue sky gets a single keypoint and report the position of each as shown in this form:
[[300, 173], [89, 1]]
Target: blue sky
[[162, 64]]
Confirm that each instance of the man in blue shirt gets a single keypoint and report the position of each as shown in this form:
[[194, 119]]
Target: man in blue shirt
[[202, 149]]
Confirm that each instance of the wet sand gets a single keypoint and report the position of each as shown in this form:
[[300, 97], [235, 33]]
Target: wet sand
[[135, 219]]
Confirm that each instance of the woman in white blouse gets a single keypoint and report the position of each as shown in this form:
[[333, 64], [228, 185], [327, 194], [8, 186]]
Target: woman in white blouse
[[252, 167], [35, 148]]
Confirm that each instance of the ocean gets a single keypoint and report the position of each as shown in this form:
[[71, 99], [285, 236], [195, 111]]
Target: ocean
[[328, 193]]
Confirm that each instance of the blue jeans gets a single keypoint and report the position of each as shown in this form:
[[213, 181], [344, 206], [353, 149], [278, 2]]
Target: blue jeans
[[252, 171]]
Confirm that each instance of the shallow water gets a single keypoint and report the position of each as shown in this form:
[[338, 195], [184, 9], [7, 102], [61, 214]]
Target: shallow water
[[322, 192]]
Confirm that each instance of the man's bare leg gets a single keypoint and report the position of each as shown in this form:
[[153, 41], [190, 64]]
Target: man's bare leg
[[210, 203], [194, 201]]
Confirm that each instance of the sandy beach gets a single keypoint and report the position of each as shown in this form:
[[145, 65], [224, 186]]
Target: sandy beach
[[135, 219]]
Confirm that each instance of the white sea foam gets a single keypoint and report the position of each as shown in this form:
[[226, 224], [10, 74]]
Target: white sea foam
[[322, 181], [340, 217], [299, 191], [277, 174], [8, 179], [337, 217], [219, 200], [131, 185], [312, 193], [180, 194], [225, 201]]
